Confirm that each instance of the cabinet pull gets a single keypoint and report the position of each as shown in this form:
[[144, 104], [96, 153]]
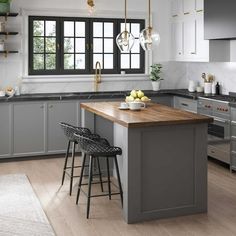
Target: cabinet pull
[[180, 53], [186, 13], [50, 106], [42, 106], [174, 15], [184, 104], [193, 53], [199, 10]]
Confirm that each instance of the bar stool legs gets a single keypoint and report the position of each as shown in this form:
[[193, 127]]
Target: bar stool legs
[[89, 184], [72, 167], [81, 178], [65, 165], [108, 178], [100, 174], [118, 177]]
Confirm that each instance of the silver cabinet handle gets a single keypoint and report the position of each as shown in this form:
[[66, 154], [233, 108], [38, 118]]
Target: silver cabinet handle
[[184, 104], [50, 106], [219, 119]]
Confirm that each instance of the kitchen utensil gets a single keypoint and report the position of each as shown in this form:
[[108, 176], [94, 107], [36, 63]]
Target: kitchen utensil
[[207, 88]]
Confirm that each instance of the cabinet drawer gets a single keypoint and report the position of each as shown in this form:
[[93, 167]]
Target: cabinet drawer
[[185, 104], [233, 114], [218, 154]]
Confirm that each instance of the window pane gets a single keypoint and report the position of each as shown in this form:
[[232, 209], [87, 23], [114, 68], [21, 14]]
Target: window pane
[[80, 61], [125, 61], [69, 29], [108, 45], [38, 61], [97, 57], [50, 28], [68, 61], [69, 45], [136, 47], [38, 28], [122, 27], [80, 45], [50, 61], [108, 61], [38, 45], [97, 29], [135, 30], [51, 45], [108, 29], [135, 61], [80, 29], [98, 45]]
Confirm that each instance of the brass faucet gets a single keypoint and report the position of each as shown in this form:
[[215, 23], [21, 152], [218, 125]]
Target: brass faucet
[[97, 77]]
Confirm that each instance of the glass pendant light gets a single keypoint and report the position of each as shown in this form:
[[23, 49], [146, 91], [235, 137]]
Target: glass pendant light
[[91, 7], [125, 40], [148, 38]]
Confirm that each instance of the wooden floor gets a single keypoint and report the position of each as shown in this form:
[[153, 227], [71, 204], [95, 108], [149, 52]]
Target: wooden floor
[[106, 216]]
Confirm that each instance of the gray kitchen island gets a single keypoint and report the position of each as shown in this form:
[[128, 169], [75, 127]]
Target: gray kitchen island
[[164, 161]]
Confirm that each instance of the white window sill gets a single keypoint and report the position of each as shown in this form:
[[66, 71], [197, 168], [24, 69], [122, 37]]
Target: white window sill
[[83, 78]]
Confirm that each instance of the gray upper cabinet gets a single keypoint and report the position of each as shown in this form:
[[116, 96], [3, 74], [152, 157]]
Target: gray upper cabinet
[[5, 130], [29, 128], [59, 112]]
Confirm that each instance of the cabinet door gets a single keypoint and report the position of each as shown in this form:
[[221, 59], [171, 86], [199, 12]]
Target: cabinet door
[[188, 6], [199, 5], [190, 47], [177, 33], [59, 112], [176, 8], [28, 126], [5, 131]]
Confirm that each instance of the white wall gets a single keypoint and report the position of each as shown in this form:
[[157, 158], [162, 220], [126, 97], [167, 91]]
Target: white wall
[[13, 68]]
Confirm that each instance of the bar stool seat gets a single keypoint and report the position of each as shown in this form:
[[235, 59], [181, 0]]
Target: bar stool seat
[[95, 149], [69, 131]]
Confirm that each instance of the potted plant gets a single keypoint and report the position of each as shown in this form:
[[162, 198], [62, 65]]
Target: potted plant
[[5, 6], [155, 76]]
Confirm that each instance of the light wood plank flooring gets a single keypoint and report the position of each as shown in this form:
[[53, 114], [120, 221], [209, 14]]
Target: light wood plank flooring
[[106, 216]]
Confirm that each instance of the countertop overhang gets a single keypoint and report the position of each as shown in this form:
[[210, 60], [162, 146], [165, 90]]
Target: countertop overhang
[[153, 115]]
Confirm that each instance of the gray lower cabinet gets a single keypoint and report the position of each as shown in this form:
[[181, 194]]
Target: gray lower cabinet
[[185, 104], [28, 128], [59, 112], [5, 130], [165, 100], [233, 138]]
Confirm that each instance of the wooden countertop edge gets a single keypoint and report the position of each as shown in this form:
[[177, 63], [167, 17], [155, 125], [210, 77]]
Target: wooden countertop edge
[[147, 124]]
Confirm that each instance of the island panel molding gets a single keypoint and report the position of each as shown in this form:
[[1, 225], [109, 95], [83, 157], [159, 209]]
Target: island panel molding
[[154, 114]]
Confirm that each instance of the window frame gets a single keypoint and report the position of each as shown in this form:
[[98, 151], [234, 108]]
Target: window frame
[[88, 51]]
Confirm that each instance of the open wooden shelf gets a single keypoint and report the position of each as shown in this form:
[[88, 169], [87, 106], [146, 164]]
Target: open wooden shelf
[[8, 33], [8, 14]]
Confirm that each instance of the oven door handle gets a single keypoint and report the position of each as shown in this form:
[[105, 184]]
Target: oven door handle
[[219, 119]]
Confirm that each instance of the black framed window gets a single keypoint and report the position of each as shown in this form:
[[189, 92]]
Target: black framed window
[[66, 45]]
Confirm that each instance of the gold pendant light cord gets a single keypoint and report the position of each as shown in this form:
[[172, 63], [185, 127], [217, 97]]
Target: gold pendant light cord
[[125, 15], [149, 13]]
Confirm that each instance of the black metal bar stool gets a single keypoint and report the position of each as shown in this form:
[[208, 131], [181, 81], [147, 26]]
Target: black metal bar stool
[[95, 149], [69, 131]]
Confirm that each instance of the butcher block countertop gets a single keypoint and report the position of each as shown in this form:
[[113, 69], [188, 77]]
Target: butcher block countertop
[[153, 115]]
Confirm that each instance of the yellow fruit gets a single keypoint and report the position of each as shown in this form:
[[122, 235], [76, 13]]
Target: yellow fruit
[[145, 99], [133, 94], [140, 94], [129, 99], [137, 100]]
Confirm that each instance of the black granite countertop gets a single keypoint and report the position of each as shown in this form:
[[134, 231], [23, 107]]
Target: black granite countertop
[[97, 95]]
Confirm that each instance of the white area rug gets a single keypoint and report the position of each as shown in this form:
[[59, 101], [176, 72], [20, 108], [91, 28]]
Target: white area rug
[[20, 210]]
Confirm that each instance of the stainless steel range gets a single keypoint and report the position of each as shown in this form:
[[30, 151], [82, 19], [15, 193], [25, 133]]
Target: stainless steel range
[[219, 131]]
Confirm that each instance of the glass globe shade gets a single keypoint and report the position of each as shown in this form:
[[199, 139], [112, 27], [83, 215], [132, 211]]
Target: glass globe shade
[[149, 39], [125, 41]]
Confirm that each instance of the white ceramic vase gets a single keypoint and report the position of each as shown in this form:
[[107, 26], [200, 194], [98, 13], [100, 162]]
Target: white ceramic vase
[[156, 85]]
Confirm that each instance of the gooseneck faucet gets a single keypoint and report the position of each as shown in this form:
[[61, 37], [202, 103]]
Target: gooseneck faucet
[[98, 75]]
